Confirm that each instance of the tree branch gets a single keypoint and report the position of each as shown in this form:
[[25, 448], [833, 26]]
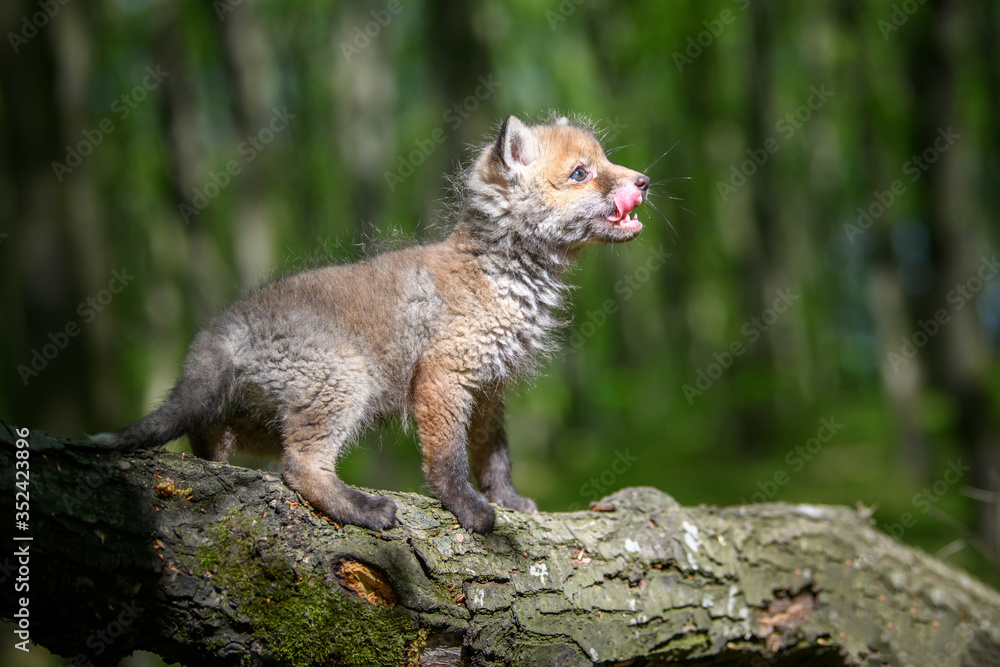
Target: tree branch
[[194, 560]]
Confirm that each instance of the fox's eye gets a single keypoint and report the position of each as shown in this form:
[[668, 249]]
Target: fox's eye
[[579, 175]]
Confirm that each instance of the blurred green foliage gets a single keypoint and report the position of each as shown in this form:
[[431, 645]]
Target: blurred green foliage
[[765, 126]]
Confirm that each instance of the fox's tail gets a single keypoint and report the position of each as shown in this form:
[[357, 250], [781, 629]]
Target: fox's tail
[[194, 401]]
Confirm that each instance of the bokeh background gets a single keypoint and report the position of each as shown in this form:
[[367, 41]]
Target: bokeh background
[[844, 155]]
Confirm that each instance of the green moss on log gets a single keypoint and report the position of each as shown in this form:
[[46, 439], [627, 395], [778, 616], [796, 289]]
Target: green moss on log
[[302, 620]]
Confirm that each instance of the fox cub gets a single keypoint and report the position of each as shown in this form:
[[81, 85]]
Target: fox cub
[[437, 331]]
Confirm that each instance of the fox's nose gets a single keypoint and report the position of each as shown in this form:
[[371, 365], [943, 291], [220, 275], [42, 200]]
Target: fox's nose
[[642, 182]]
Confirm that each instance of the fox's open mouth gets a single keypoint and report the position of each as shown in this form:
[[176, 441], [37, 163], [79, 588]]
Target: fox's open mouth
[[618, 218], [623, 218]]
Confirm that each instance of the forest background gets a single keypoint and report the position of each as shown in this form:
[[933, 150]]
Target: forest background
[[811, 315]]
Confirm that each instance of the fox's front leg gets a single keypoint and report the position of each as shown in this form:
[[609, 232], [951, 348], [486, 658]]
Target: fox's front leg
[[443, 406], [489, 454]]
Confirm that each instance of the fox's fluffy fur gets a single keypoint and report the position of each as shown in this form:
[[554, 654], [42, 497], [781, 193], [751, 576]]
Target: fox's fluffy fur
[[437, 331]]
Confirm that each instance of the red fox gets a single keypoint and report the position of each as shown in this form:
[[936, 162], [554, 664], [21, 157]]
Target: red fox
[[434, 331]]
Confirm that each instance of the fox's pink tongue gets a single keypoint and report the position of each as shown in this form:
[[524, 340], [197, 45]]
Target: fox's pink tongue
[[626, 199]]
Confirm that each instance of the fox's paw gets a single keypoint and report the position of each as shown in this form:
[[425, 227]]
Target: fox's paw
[[360, 509], [473, 513], [522, 504], [380, 514], [514, 501]]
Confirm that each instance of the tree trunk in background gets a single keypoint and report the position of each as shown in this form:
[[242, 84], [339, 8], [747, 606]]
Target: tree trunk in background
[[192, 559], [253, 82], [884, 294], [957, 359], [363, 113], [987, 22], [990, 163], [761, 264], [450, 27], [43, 84]]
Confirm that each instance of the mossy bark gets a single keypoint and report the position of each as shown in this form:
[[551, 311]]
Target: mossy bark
[[202, 562]]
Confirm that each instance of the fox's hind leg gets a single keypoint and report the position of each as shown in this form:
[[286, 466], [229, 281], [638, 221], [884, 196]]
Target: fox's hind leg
[[489, 455], [315, 429], [212, 442]]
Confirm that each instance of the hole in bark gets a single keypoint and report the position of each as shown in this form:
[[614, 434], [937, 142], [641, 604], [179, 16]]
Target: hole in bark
[[784, 615], [366, 581]]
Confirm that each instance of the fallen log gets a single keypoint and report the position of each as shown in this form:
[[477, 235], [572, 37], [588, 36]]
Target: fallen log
[[202, 562]]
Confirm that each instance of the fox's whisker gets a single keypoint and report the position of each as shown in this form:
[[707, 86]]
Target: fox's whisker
[[665, 219], [612, 151], [666, 195], [672, 180], [665, 153]]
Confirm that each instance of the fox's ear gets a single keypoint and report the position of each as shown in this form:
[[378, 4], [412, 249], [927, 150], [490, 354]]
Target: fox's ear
[[516, 146]]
